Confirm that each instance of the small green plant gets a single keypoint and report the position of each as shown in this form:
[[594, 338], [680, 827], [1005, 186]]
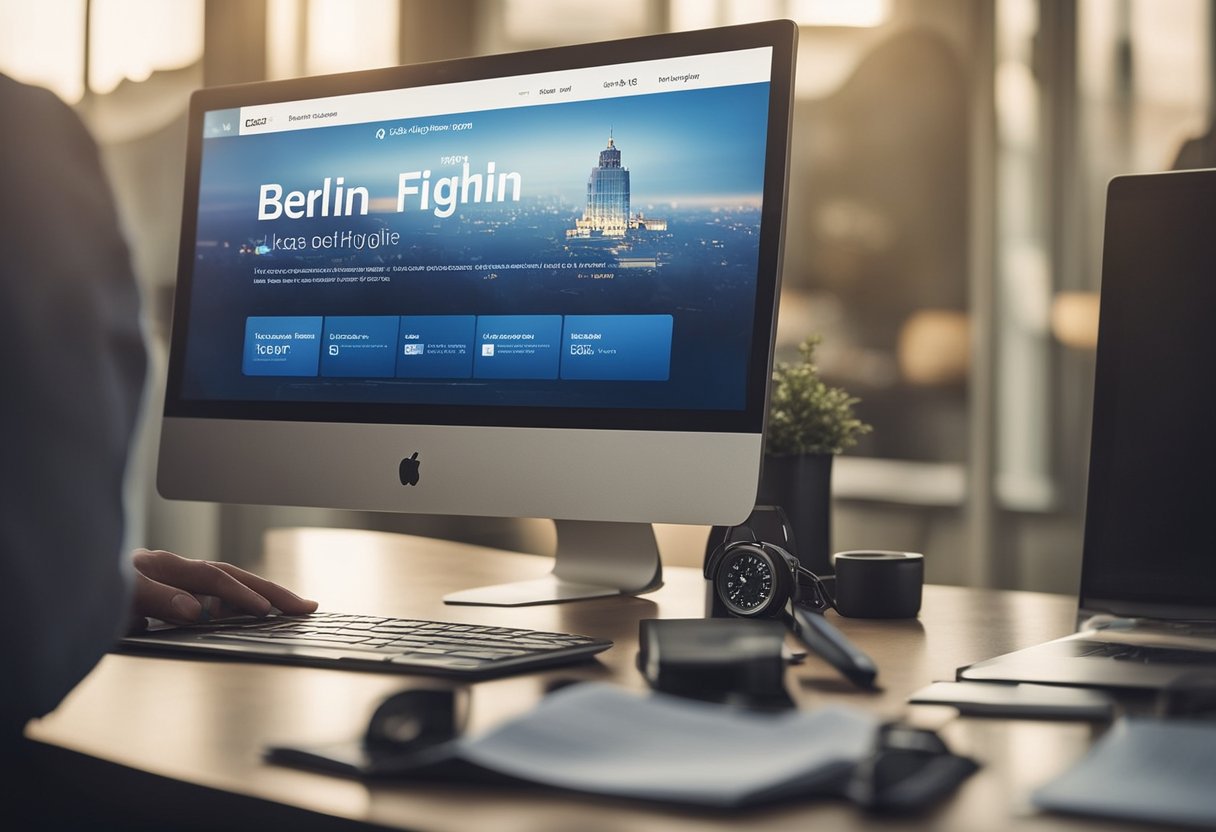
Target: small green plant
[[805, 415]]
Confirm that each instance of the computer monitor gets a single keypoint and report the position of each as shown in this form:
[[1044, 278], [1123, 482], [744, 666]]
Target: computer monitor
[[530, 285]]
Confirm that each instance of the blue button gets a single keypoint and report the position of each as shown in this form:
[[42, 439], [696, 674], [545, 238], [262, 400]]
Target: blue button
[[362, 347], [517, 346], [435, 346], [281, 346], [617, 347]]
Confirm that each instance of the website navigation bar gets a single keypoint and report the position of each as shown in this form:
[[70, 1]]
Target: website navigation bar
[[721, 69]]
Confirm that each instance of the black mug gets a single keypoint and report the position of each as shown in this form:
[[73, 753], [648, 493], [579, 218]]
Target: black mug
[[875, 583]]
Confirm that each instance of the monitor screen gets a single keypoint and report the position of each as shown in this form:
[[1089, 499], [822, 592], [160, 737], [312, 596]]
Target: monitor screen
[[1150, 548], [583, 243], [540, 284], [596, 253]]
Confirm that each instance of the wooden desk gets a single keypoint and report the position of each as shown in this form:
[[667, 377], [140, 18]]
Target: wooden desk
[[206, 722]]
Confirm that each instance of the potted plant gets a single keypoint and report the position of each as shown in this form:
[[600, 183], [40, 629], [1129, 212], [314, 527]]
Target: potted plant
[[809, 423]]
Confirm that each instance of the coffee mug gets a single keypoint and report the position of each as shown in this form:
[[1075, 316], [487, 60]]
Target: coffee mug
[[875, 583]]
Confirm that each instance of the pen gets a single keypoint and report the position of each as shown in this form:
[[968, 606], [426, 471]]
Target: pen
[[831, 645]]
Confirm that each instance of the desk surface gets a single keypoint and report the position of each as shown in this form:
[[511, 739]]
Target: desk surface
[[206, 722]]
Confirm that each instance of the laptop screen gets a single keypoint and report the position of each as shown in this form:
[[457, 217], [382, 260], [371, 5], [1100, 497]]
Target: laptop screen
[[1150, 528]]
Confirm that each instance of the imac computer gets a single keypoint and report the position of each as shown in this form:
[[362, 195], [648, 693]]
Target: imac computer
[[530, 285]]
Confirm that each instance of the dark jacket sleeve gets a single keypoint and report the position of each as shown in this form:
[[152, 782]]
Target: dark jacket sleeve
[[71, 369]]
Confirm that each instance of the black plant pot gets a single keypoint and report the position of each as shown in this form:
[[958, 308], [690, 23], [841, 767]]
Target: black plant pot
[[802, 486]]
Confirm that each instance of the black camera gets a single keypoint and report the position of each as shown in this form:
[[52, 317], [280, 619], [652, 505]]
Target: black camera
[[750, 572], [748, 577]]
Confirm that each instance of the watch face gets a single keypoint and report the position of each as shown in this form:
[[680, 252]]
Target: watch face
[[745, 581]]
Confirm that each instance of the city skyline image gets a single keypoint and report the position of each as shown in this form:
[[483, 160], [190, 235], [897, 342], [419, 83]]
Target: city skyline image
[[607, 212]]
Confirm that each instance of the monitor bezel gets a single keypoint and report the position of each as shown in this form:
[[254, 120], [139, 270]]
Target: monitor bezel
[[780, 36]]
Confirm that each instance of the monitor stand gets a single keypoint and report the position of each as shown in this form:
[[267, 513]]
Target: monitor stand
[[594, 560]]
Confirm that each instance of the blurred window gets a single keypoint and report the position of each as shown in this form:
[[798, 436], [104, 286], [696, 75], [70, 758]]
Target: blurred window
[[44, 42]]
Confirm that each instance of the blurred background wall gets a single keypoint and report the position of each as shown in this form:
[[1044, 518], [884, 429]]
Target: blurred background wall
[[946, 205]]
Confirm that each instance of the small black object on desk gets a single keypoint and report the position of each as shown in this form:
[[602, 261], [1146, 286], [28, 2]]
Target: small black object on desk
[[409, 730], [751, 578], [730, 660], [876, 583], [831, 645]]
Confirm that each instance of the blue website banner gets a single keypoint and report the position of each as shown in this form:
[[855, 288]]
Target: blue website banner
[[282, 346], [436, 346], [629, 211], [518, 346], [617, 347], [360, 347]]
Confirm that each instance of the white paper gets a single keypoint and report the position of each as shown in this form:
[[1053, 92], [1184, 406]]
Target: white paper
[[601, 739]]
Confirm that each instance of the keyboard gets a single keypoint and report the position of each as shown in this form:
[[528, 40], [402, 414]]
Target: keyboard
[[367, 642]]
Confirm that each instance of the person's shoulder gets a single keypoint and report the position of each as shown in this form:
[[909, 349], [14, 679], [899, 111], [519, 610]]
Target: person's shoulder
[[42, 121], [16, 93]]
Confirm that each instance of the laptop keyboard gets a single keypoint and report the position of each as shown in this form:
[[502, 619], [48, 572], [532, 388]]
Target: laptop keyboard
[[375, 642], [1147, 655]]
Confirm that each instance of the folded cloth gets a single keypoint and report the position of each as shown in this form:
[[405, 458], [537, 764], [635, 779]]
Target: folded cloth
[[601, 739]]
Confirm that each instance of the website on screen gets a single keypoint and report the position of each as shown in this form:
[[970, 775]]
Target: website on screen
[[583, 238]]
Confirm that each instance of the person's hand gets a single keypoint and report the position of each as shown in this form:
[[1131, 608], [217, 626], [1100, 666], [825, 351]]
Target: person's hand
[[184, 591]]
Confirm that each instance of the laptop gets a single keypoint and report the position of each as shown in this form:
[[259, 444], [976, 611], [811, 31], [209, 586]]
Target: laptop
[[1147, 609]]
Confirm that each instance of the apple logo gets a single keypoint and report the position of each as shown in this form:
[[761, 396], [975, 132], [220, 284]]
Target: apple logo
[[409, 469]]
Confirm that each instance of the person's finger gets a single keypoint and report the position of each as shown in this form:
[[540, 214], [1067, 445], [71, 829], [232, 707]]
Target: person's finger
[[198, 576], [168, 603], [283, 598]]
